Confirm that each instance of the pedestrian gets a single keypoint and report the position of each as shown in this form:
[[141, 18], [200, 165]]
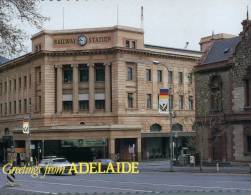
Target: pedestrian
[[10, 175]]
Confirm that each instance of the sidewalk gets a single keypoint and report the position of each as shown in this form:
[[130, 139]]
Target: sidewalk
[[164, 166]]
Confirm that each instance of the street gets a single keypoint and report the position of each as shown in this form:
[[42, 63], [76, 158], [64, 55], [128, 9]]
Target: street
[[145, 182]]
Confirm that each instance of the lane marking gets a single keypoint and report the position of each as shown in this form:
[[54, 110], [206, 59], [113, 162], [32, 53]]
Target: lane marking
[[37, 191], [172, 185], [90, 186]]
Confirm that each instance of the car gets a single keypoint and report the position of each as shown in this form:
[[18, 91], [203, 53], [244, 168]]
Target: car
[[56, 162], [105, 163]]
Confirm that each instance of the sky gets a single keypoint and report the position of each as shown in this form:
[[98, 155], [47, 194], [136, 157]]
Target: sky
[[169, 23]]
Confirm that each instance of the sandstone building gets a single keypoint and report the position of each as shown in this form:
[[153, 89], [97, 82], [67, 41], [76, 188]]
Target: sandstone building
[[93, 93], [223, 96]]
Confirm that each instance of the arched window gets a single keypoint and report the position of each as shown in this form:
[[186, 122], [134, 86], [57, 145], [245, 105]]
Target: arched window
[[177, 127], [216, 93], [155, 127]]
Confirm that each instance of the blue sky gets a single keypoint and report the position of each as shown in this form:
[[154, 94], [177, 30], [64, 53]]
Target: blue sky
[[166, 22]]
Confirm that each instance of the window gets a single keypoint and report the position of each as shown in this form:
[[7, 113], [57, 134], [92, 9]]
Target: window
[[15, 107], [39, 103], [190, 78], [1, 88], [25, 81], [15, 84], [159, 75], [190, 102], [149, 101], [83, 73], [5, 108], [129, 73], [148, 74], [9, 107], [67, 73], [181, 102], [170, 77], [130, 100], [20, 82], [39, 77], [20, 107], [155, 127], [100, 104], [100, 72], [249, 144], [1, 109], [25, 105], [180, 78], [134, 44], [171, 101], [10, 85], [5, 87], [83, 105], [30, 81], [128, 43], [216, 94], [67, 106]]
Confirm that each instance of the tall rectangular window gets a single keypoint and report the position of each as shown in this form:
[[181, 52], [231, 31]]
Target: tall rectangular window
[[170, 77], [190, 102], [249, 144], [15, 107], [10, 86], [148, 74], [20, 82], [149, 101], [159, 75], [5, 87], [100, 72], [5, 109], [180, 78], [190, 78], [129, 73], [29, 80], [15, 84], [171, 101], [1, 89], [248, 93], [134, 44], [181, 102], [83, 73], [25, 81], [20, 106], [130, 100], [127, 43], [67, 70], [1, 109], [25, 105], [10, 106]]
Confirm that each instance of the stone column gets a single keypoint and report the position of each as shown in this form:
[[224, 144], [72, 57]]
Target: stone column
[[107, 88], [111, 149], [27, 149], [139, 148], [59, 89], [91, 88], [75, 88]]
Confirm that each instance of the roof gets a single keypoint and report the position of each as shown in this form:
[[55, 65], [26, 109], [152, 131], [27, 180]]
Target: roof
[[221, 50], [3, 59], [172, 50]]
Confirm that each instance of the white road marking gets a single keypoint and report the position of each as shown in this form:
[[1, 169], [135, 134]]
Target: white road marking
[[171, 185], [37, 191], [89, 186]]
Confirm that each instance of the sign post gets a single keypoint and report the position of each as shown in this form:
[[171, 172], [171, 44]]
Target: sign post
[[165, 108]]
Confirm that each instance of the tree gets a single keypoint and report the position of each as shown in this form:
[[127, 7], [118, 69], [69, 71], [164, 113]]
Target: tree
[[11, 37]]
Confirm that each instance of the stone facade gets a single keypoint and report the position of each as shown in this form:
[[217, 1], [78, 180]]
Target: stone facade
[[227, 130], [35, 83]]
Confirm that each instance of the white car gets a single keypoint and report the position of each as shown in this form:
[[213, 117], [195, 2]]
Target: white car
[[55, 162]]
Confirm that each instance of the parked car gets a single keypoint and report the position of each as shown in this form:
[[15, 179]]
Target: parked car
[[56, 162]]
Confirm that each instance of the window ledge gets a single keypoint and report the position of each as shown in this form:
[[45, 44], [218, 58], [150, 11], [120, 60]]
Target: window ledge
[[248, 108]]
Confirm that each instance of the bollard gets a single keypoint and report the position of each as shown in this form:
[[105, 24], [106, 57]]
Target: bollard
[[217, 167]]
